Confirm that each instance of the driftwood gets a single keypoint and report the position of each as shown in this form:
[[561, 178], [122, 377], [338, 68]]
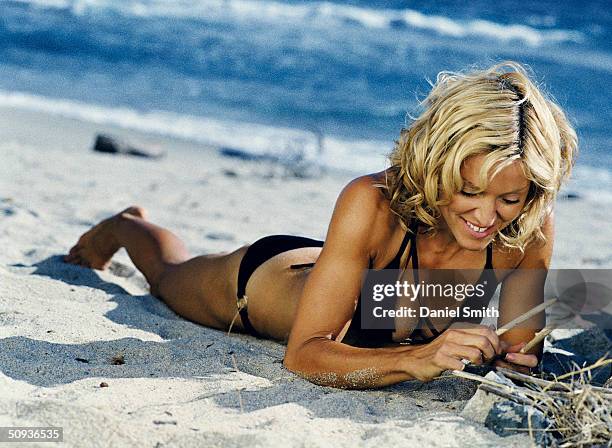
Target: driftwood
[[506, 395], [545, 384]]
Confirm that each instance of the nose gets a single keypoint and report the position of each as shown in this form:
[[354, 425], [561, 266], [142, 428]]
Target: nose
[[486, 212]]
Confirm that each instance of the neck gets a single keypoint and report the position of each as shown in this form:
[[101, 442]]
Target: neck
[[443, 241]]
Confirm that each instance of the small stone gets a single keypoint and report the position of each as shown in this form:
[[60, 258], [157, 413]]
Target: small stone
[[164, 422], [220, 236], [113, 145], [118, 360], [103, 384]]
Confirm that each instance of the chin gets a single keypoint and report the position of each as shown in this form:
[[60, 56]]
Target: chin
[[475, 245]]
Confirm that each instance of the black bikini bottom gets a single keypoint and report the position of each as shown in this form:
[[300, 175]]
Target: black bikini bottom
[[257, 254]]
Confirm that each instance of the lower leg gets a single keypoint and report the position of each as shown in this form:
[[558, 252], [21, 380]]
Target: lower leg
[[151, 248]]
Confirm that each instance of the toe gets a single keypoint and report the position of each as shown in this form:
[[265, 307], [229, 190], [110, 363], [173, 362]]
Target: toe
[[136, 210], [74, 249]]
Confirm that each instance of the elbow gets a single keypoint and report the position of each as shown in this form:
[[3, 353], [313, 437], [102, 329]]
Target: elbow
[[292, 357], [298, 356], [289, 361]]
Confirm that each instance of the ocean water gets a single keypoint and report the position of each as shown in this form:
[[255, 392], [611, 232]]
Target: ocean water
[[283, 76]]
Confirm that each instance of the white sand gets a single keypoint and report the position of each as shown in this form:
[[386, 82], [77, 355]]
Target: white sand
[[178, 386]]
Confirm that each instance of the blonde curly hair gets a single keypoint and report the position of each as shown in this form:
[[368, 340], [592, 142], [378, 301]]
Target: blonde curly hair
[[498, 112]]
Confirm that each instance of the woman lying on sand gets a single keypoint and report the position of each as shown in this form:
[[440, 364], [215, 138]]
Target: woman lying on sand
[[472, 184]]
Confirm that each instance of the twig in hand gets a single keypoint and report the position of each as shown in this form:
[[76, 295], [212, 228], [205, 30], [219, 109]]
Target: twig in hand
[[523, 317], [539, 337]]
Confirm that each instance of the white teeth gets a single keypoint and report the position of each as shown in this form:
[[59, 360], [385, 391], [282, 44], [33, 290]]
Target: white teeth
[[476, 229]]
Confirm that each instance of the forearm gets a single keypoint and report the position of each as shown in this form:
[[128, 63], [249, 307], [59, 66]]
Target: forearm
[[330, 363]]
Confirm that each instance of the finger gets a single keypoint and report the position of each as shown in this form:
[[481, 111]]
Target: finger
[[516, 347], [515, 367], [449, 362], [460, 352], [522, 359], [478, 341], [488, 333], [504, 346]]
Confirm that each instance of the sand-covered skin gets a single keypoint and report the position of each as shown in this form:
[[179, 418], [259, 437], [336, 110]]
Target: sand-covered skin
[[61, 325]]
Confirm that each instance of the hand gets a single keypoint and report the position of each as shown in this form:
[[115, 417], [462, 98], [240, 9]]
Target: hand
[[476, 344], [521, 362]]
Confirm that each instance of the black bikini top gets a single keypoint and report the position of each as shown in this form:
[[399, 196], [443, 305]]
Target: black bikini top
[[360, 337]]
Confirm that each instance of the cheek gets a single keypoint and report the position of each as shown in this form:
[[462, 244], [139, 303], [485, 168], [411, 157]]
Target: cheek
[[460, 205], [510, 213]]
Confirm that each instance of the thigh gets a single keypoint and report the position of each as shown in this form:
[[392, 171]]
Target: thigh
[[203, 289]]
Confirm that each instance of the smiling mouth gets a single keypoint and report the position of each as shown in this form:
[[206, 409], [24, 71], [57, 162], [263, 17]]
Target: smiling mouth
[[478, 232]]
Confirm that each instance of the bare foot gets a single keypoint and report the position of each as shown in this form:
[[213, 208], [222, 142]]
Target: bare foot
[[96, 247]]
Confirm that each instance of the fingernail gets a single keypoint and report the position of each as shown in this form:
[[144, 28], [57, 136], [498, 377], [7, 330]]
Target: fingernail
[[510, 357]]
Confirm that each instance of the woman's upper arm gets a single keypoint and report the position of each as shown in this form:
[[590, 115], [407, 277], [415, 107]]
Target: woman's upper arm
[[523, 289], [329, 297]]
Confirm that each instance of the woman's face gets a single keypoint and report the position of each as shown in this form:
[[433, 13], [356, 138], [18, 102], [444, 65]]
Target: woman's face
[[474, 219]]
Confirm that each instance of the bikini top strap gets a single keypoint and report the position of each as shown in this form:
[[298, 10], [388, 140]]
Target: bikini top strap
[[404, 244], [414, 227], [413, 247], [489, 263]]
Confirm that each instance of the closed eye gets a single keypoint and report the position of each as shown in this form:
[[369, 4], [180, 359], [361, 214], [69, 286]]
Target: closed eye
[[471, 195]]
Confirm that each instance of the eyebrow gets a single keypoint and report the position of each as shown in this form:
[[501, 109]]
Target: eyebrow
[[470, 184]]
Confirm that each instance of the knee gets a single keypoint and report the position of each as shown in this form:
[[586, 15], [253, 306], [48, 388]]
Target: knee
[[158, 284]]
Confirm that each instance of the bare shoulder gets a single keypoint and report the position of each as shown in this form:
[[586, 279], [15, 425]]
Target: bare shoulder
[[539, 253], [364, 189], [363, 206], [364, 203], [536, 255]]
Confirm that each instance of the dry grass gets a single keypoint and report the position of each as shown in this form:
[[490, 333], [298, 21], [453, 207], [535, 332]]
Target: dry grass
[[581, 413]]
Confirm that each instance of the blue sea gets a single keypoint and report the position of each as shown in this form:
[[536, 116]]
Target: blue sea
[[284, 76]]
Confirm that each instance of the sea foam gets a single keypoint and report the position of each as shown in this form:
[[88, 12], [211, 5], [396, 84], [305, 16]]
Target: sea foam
[[317, 14]]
